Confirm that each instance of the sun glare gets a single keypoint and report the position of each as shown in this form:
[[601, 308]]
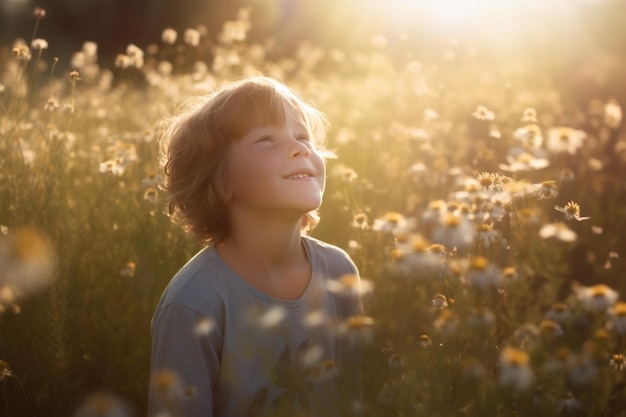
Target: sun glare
[[470, 15]]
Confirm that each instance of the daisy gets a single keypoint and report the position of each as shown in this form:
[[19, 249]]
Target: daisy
[[392, 222], [454, 231], [565, 139], [483, 113], [571, 211], [597, 298], [558, 230], [524, 161], [529, 136], [559, 313], [546, 189], [617, 314], [618, 362], [581, 368], [612, 114], [514, 369], [482, 274]]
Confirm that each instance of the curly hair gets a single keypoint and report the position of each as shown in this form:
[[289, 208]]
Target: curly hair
[[196, 145]]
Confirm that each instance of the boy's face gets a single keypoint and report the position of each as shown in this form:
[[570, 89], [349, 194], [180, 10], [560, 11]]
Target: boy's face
[[276, 169]]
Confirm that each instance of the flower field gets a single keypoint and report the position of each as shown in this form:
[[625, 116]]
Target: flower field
[[483, 206]]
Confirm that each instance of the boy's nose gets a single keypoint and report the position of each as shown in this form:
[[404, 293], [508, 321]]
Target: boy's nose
[[300, 149]]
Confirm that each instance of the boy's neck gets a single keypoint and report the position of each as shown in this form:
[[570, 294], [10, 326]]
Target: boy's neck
[[265, 244], [270, 257]]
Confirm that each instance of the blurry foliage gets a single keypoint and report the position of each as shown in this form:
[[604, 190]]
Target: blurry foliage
[[461, 190]]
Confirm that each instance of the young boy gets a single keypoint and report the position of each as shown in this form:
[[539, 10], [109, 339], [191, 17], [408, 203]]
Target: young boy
[[255, 323]]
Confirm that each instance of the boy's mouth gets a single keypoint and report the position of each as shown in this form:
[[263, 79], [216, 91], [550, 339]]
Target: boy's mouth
[[300, 175]]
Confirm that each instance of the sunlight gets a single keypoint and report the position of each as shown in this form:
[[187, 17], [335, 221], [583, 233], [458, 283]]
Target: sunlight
[[474, 15]]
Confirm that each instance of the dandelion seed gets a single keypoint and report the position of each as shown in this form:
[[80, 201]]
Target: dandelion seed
[[39, 13], [514, 369], [571, 211], [596, 298], [483, 113], [233, 31], [565, 139], [558, 230], [165, 68], [21, 52], [617, 313], [122, 61], [191, 37], [168, 36], [51, 105], [74, 76], [39, 44], [90, 49]]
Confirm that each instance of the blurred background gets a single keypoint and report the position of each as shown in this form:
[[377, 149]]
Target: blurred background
[[579, 42]]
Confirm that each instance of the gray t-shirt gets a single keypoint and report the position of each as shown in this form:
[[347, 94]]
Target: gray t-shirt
[[223, 348]]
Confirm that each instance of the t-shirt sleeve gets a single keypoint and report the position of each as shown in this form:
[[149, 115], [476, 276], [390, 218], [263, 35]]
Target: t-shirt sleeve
[[185, 362]]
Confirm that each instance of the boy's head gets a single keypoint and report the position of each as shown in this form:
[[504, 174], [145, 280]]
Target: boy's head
[[197, 143]]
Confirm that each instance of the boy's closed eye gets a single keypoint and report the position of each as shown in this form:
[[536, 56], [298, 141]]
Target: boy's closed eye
[[265, 138]]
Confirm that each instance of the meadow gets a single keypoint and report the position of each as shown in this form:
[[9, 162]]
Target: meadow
[[483, 206]]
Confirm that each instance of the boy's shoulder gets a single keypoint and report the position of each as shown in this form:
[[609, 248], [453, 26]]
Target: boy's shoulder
[[200, 278], [330, 256]]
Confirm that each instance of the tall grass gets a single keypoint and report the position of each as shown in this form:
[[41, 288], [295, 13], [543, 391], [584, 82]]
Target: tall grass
[[486, 299]]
